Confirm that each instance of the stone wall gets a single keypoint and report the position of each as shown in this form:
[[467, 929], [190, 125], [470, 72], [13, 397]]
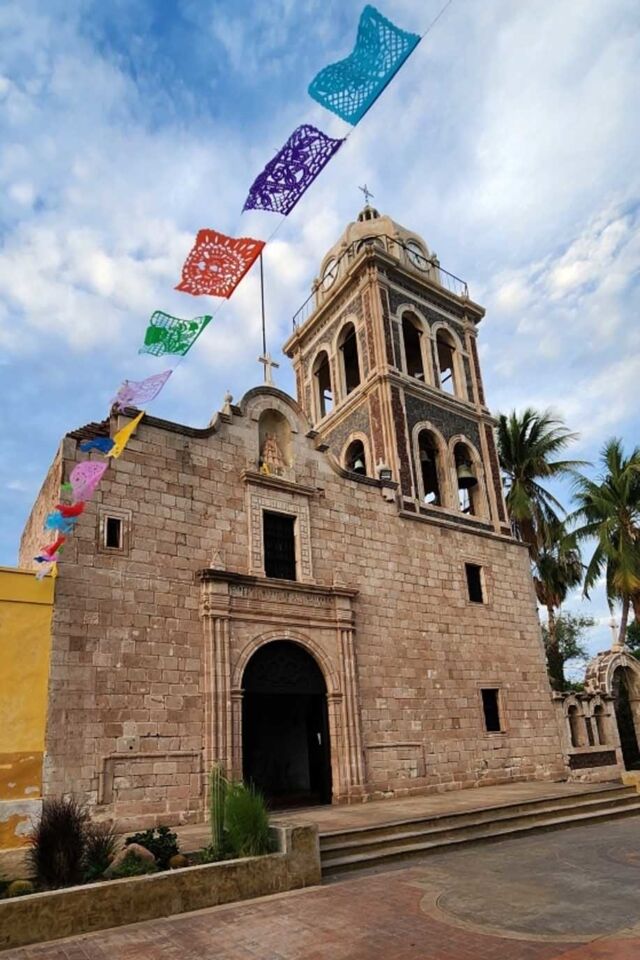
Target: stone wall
[[127, 718]]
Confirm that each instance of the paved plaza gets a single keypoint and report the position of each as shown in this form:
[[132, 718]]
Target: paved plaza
[[572, 894]]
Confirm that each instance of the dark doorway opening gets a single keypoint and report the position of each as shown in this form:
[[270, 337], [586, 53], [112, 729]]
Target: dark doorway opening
[[285, 728], [624, 718]]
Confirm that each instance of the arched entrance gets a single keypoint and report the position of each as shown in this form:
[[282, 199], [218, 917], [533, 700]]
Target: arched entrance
[[621, 687], [285, 730]]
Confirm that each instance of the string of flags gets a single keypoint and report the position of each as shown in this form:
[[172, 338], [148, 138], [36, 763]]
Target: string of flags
[[217, 263]]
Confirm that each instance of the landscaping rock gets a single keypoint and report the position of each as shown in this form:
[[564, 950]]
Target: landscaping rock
[[134, 850], [178, 860], [19, 888]]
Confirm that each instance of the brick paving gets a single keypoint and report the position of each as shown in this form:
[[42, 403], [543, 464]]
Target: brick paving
[[375, 916]]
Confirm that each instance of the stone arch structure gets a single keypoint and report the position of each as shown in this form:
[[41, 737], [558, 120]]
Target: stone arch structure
[[616, 674], [259, 399], [330, 675], [342, 388], [275, 446], [575, 721], [408, 313], [323, 380], [442, 465], [444, 331], [354, 436], [335, 702], [241, 615], [286, 746], [480, 501]]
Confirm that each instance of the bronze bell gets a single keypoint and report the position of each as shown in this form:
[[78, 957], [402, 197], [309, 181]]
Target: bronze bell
[[466, 476]]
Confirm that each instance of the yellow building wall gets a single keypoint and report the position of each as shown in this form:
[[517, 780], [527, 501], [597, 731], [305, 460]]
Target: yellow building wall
[[26, 607]]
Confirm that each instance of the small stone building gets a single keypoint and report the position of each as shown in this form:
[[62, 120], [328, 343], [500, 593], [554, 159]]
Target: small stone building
[[323, 594]]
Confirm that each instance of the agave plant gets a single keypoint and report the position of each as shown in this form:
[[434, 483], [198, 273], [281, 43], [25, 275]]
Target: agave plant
[[57, 843]]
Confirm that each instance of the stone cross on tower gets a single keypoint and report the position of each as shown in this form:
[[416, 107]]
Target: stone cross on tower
[[268, 363]]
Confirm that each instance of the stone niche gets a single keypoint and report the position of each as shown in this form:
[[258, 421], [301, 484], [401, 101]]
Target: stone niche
[[275, 446]]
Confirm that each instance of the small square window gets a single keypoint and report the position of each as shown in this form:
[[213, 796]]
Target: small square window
[[491, 709], [113, 533], [474, 582]]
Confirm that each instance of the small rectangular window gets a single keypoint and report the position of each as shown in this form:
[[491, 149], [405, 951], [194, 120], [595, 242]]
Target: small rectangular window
[[474, 582], [279, 545], [113, 533], [491, 708]]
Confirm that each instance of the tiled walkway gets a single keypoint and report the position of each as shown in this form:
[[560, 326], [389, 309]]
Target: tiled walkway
[[569, 895]]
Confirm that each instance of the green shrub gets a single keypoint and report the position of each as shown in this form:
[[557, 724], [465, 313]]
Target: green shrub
[[57, 843], [213, 854], [133, 867], [247, 821], [209, 855], [160, 841], [218, 785], [101, 843], [20, 888]]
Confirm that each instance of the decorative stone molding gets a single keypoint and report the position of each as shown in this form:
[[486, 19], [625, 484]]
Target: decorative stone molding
[[319, 619], [279, 497]]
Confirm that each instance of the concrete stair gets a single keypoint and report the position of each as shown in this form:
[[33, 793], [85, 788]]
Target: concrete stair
[[362, 847]]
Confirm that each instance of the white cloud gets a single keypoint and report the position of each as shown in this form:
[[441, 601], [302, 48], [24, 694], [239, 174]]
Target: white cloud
[[515, 156]]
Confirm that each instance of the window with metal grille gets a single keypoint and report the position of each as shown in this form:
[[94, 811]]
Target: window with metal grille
[[491, 708], [474, 582], [279, 545]]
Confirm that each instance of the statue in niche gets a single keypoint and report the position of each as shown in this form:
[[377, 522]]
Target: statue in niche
[[272, 462]]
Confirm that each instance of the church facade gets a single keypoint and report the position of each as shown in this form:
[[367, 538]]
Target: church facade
[[321, 594]]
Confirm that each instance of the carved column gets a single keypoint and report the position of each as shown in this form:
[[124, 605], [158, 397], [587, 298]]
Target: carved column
[[352, 747], [236, 734], [339, 781], [217, 676], [355, 764]]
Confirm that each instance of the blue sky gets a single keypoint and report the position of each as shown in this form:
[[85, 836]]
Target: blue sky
[[509, 141]]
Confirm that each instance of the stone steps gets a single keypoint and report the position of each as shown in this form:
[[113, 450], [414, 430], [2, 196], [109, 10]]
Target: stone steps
[[363, 847]]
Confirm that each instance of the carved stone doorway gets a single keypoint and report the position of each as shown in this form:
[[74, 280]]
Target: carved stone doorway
[[285, 729], [625, 719]]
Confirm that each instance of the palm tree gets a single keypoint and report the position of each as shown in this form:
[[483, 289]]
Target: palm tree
[[557, 569], [527, 444], [609, 511]]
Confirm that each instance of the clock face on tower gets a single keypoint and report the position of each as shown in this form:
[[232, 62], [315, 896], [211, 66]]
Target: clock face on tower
[[416, 255], [330, 274]]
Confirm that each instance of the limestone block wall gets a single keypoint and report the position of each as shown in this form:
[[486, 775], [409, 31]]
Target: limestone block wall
[[127, 706]]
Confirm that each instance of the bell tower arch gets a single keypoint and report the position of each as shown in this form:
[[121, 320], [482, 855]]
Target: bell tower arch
[[385, 342]]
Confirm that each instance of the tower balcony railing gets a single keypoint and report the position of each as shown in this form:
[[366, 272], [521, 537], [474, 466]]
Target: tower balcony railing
[[429, 267]]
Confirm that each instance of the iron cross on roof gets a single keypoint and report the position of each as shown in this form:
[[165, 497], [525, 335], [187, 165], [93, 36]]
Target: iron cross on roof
[[367, 193]]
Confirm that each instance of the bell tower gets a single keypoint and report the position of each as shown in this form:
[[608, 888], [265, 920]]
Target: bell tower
[[387, 371]]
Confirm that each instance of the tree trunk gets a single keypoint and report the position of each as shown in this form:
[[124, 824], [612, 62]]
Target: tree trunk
[[554, 658], [624, 619], [635, 603]]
